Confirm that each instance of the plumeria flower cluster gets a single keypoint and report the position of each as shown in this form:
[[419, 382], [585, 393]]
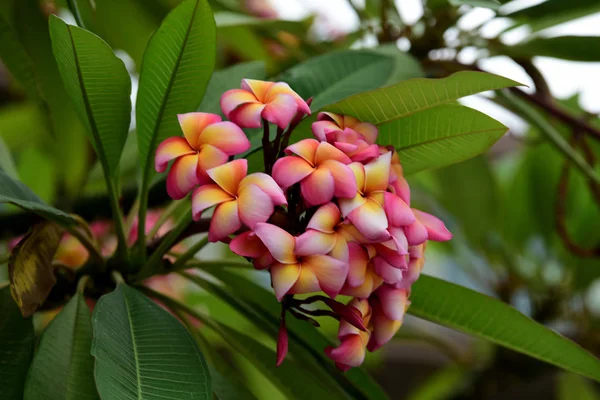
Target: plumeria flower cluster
[[331, 214]]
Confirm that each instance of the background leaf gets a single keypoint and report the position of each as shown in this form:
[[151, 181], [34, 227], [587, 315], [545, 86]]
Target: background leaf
[[16, 347], [574, 48], [493, 4], [142, 351], [63, 368], [571, 386], [468, 311], [554, 12], [7, 165]]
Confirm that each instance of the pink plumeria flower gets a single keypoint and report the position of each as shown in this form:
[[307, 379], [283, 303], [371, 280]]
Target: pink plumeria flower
[[354, 138], [327, 224], [351, 351], [362, 278], [247, 244], [301, 265], [275, 102], [208, 143], [388, 308], [426, 227], [239, 199], [321, 170], [365, 210], [415, 265], [398, 183]]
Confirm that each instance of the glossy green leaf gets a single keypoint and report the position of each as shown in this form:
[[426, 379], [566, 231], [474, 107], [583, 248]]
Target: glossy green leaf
[[574, 48], [63, 368], [440, 136], [84, 13], [414, 95], [554, 12], [479, 315], [7, 164], [16, 347], [493, 4], [175, 72], [15, 192], [571, 386], [15, 58], [99, 86], [142, 352]]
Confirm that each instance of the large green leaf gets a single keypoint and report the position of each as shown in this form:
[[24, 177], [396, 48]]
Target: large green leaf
[[479, 315], [440, 136], [574, 48], [554, 12], [411, 96], [99, 86], [143, 352], [15, 192], [493, 4], [175, 72], [571, 386], [16, 347], [63, 368], [7, 164]]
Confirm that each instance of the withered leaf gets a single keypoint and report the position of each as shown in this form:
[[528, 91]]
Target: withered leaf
[[30, 266]]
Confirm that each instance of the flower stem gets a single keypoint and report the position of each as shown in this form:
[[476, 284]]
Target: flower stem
[[266, 143]]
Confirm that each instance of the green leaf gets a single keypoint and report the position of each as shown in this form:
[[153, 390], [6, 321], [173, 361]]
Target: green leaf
[[571, 386], [6, 161], [99, 86], [30, 266], [479, 315], [16, 347], [493, 4], [63, 368], [554, 12], [226, 389], [16, 59], [574, 48], [411, 96], [84, 13], [440, 136], [443, 384], [226, 79], [37, 170], [143, 352], [15, 192], [175, 72]]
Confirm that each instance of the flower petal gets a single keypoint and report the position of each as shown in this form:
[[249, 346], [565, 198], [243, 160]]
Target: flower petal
[[364, 309], [383, 329], [359, 174], [232, 99], [368, 130], [248, 115], [281, 110], [192, 124], [290, 170], [247, 244], [258, 88], [254, 205], [207, 196], [349, 205], [377, 173], [436, 230], [343, 179], [326, 151], [307, 149], [228, 176], [394, 302], [330, 272], [280, 244], [321, 128], [307, 281], [386, 271], [397, 211], [314, 242], [283, 277], [226, 136], [325, 218], [209, 157], [416, 233], [340, 248], [224, 222], [169, 149], [329, 116], [282, 88], [318, 188], [358, 265], [370, 220], [182, 177], [267, 184], [350, 352]]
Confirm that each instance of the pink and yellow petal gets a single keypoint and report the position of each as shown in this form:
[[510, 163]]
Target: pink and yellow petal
[[330, 272], [326, 218], [436, 230], [281, 88], [226, 136], [386, 271], [307, 149], [347, 206], [416, 233], [232, 99], [290, 170], [377, 173], [371, 221], [247, 244], [209, 157], [248, 115], [350, 352], [281, 110], [283, 277], [192, 124], [207, 196], [313, 242], [368, 130], [394, 302], [183, 176], [318, 188], [321, 128], [254, 205], [280, 244], [224, 222], [326, 151], [170, 149], [228, 176], [258, 88], [398, 212], [267, 184], [358, 261], [343, 179]]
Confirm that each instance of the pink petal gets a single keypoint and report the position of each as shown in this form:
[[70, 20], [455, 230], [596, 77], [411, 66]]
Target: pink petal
[[226, 136], [358, 264], [351, 351], [228, 176], [192, 124], [364, 309], [247, 244], [397, 259], [326, 218], [209, 157], [280, 244], [390, 274], [399, 240], [170, 149], [318, 188], [267, 184], [368, 130], [402, 190], [281, 110], [258, 88], [282, 343], [248, 115], [370, 220], [416, 233], [321, 128], [329, 116], [377, 173], [359, 174], [398, 212], [326, 151], [367, 154], [232, 99], [254, 205], [314, 242], [282, 88], [394, 302], [340, 248], [182, 177], [343, 179], [436, 230], [224, 222], [307, 149], [283, 277], [330, 272], [409, 277], [383, 330], [207, 196], [349, 205], [290, 170]]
